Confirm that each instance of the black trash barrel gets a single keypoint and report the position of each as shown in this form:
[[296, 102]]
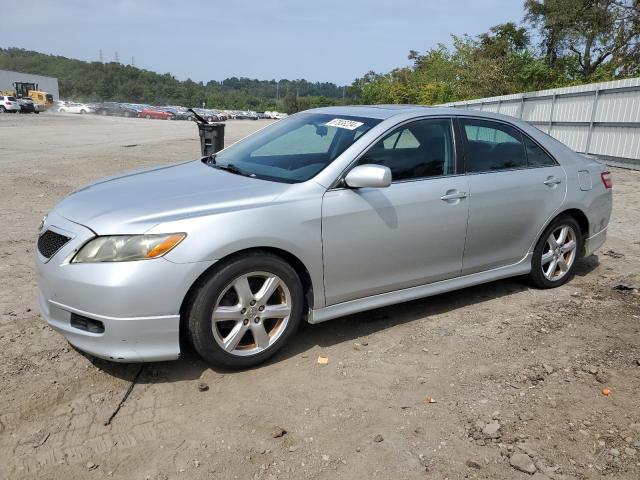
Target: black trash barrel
[[211, 138]]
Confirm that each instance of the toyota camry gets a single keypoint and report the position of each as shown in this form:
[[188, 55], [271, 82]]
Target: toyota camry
[[326, 213]]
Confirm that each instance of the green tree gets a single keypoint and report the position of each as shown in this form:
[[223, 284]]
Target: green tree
[[290, 102], [601, 35]]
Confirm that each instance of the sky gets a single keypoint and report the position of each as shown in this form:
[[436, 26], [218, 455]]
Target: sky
[[329, 40]]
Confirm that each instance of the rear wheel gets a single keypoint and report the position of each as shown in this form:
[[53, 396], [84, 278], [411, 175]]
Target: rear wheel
[[245, 311], [3, 109], [555, 255], [147, 117]]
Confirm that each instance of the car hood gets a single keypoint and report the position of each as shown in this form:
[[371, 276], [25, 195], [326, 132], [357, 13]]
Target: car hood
[[136, 201]]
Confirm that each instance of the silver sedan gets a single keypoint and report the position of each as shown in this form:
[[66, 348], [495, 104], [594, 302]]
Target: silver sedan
[[326, 213]]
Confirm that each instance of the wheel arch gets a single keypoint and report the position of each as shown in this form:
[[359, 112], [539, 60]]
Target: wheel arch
[[577, 214], [297, 264], [580, 217]]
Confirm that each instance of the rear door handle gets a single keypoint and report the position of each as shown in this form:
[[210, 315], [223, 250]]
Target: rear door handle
[[551, 181], [453, 195]]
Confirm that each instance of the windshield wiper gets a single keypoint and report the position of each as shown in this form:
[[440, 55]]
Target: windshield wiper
[[230, 167]]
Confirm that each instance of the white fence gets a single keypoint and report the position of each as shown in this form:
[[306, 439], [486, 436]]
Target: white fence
[[602, 119]]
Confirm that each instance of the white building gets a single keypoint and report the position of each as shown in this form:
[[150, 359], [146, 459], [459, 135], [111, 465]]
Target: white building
[[46, 84]]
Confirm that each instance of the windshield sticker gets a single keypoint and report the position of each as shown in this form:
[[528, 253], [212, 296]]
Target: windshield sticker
[[342, 123]]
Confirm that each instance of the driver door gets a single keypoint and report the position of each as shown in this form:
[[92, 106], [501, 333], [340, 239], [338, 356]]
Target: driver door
[[377, 240]]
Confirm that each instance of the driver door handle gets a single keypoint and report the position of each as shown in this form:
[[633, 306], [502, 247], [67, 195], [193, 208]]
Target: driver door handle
[[453, 195], [551, 181]]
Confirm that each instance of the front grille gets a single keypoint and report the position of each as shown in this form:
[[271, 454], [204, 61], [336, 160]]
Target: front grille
[[50, 242]]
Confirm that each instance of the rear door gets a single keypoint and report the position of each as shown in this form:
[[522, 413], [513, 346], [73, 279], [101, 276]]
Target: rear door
[[377, 240], [514, 189]]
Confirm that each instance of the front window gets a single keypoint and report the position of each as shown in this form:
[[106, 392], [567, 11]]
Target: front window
[[296, 149], [419, 149]]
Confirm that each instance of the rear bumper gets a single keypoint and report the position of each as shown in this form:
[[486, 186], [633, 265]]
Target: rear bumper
[[594, 242], [138, 303]]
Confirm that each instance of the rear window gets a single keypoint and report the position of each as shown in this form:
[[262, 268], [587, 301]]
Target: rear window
[[536, 156], [11, 99], [492, 146]]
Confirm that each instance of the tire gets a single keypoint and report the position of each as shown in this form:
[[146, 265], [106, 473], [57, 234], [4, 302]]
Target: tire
[[147, 117], [103, 112], [61, 110], [82, 112], [217, 291], [3, 109], [567, 252]]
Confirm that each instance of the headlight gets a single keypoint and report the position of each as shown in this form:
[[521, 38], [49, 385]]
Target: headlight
[[127, 248]]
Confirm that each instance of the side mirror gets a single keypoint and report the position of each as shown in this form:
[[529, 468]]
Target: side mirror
[[371, 176]]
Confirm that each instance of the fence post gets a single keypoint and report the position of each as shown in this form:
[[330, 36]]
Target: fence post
[[521, 106], [594, 107], [553, 105]]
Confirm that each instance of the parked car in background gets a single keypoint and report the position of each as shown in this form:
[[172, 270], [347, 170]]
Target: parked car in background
[[327, 213], [208, 115], [177, 113], [9, 104], [116, 109], [39, 107], [73, 107], [247, 115], [155, 113], [26, 105]]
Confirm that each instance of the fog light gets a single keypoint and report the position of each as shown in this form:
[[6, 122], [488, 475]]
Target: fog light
[[86, 324]]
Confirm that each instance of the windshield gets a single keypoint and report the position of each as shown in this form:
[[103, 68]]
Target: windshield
[[296, 149]]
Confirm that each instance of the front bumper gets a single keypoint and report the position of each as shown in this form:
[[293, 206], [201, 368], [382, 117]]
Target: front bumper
[[137, 302]]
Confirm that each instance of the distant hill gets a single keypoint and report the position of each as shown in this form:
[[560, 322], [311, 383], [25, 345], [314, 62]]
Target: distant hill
[[96, 81]]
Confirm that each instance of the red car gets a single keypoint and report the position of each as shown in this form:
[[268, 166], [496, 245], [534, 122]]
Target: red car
[[154, 113]]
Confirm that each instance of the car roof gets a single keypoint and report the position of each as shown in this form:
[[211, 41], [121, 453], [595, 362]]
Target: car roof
[[387, 111]]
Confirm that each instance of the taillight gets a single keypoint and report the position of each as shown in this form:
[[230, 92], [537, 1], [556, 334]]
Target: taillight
[[606, 179]]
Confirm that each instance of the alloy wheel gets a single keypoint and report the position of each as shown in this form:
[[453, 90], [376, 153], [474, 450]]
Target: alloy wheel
[[559, 253], [251, 313]]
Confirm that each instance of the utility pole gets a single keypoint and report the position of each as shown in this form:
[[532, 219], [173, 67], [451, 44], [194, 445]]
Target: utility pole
[[278, 91], [100, 56], [115, 58], [133, 61]]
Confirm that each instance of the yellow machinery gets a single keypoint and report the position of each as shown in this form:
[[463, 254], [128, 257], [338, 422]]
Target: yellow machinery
[[30, 90]]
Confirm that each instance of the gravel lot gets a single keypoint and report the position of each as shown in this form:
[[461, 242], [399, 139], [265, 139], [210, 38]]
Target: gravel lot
[[516, 375]]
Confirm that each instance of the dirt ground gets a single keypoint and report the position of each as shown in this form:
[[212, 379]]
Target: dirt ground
[[516, 374]]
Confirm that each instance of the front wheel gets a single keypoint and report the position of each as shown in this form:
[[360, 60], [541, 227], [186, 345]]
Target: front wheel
[[245, 310], [3, 109], [555, 255]]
